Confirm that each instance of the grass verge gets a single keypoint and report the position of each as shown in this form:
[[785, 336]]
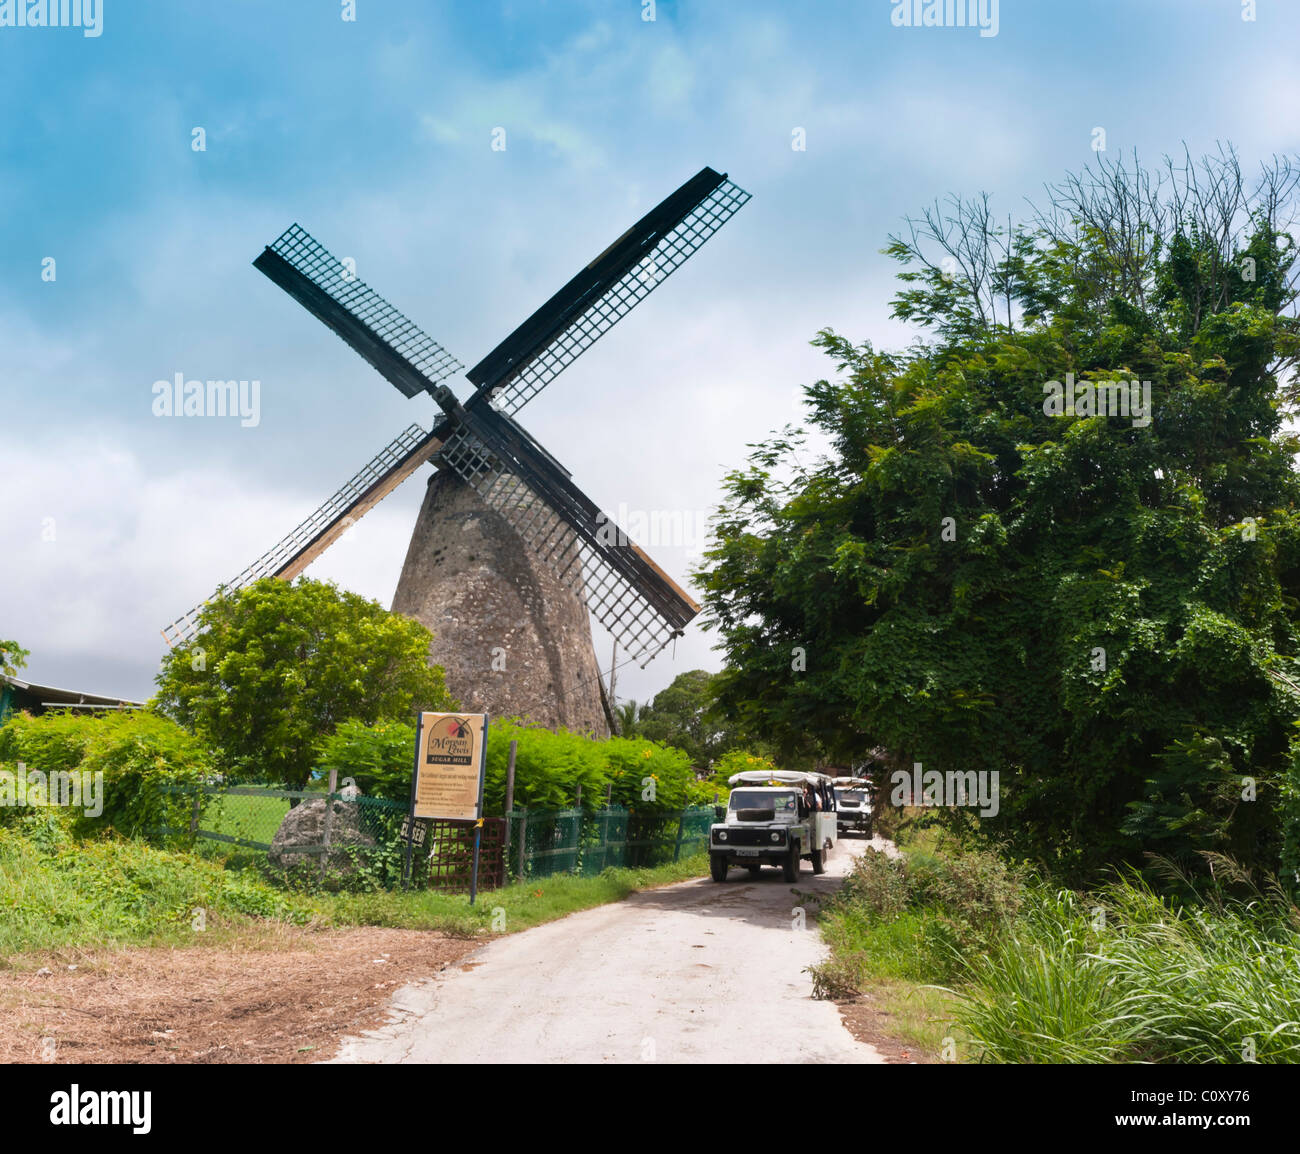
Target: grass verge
[[57, 892], [973, 961]]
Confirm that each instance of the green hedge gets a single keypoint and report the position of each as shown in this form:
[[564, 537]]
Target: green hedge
[[135, 751], [549, 766]]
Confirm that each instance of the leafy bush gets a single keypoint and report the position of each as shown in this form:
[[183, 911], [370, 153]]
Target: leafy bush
[[59, 891], [876, 887], [549, 766], [137, 753], [737, 761], [976, 894], [378, 757], [917, 917]]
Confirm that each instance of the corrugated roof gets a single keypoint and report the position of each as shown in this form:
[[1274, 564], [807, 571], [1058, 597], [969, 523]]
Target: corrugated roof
[[52, 695]]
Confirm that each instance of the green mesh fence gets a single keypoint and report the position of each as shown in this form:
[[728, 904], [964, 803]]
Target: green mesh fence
[[547, 842], [360, 842], [351, 840]]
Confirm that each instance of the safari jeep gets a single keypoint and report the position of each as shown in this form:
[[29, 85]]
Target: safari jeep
[[853, 805], [768, 822]]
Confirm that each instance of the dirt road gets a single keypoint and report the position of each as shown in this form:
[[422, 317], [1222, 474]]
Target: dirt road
[[696, 972]]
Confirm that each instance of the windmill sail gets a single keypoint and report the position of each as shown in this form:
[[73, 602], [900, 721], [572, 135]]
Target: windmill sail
[[289, 557], [328, 289], [604, 292]]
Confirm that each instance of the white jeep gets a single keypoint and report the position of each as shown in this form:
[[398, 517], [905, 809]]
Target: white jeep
[[769, 821], [853, 805]]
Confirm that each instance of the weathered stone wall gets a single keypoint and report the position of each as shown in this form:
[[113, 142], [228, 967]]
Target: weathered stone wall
[[471, 579]]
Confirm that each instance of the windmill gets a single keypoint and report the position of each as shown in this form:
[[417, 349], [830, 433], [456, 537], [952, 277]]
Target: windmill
[[491, 473]]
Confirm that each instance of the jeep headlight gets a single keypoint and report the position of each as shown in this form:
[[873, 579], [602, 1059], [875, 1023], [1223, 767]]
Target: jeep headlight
[[722, 835], [776, 835]]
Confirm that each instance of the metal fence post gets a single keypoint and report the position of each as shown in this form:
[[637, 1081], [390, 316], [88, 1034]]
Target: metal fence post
[[194, 811], [329, 819], [681, 822], [523, 843], [510, 778]]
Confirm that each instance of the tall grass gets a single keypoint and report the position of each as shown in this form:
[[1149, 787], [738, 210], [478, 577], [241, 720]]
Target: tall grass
[[1126, 975], [58, 892]]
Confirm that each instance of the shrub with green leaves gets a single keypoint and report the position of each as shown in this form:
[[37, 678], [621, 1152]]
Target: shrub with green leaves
[[646, 776], [137, 752], [57, 890], [379, 757]]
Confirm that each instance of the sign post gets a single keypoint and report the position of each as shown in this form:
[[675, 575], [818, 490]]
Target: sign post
[[447, 784]]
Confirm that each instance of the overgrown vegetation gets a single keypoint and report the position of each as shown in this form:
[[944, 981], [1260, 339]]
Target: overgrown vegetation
[[137, 752], [60, 891], [1036, 974]]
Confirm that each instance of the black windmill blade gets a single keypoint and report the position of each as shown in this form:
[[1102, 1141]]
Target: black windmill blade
[[635, 600], [604, 292], [328, 289]]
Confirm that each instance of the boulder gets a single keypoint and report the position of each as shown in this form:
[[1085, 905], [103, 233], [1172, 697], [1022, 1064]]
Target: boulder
[[304, 825]]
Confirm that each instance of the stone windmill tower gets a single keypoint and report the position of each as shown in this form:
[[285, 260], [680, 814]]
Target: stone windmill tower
[[509, 559]]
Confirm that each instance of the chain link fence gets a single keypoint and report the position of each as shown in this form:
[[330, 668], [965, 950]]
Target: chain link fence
[[559, 841], [312, 837]]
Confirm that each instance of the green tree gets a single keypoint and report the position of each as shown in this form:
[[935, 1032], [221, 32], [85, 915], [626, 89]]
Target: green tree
[[627, 715], [277, 667], [1101, 609], [683, 715], [12, 657]]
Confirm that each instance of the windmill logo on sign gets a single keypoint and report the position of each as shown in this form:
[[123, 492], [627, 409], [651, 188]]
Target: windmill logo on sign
[[479, 440]]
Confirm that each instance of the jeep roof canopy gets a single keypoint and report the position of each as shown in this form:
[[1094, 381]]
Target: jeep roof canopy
[[777, 777]]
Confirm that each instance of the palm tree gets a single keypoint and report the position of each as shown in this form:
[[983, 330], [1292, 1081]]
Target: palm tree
[[628, 716]]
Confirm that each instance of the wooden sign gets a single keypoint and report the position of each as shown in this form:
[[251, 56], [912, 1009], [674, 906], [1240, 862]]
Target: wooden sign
[[451, 751]]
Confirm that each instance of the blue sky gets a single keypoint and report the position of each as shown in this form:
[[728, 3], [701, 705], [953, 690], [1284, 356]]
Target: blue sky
[[376, 136]]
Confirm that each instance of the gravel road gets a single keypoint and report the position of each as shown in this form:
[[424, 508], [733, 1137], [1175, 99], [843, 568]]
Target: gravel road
[[694, 972]]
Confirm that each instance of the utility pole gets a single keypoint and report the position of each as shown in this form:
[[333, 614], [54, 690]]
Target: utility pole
[[613, 677]]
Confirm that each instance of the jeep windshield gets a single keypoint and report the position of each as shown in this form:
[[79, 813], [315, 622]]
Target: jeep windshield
[[761, 799]]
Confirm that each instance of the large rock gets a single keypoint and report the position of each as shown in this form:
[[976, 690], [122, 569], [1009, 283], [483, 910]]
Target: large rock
[[304, 825], [514, 638]]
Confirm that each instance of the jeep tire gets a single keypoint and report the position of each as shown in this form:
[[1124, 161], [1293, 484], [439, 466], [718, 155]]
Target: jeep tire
[[818, 858], [790, 867], [718, 867]]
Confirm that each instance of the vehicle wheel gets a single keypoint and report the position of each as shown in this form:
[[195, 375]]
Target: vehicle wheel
[[754, 870], [718, 867], [867, 833], [790, 867], [818, 861]]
